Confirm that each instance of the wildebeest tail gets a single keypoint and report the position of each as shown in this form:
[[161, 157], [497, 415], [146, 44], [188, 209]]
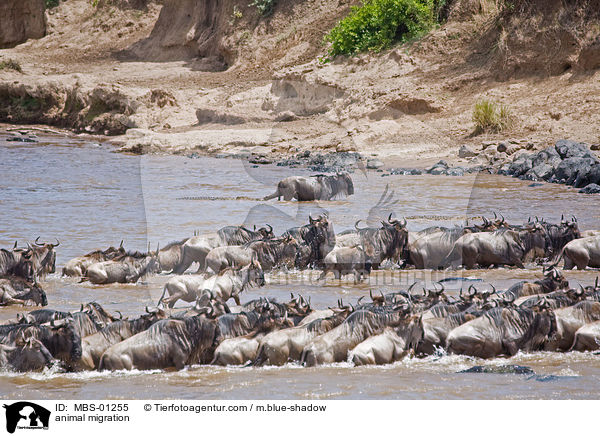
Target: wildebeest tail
[[261, 357]]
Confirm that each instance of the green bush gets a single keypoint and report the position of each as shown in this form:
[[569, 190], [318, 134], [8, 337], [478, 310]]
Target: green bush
[[265, 7], [490, 116], [376, 24], [51, 3]]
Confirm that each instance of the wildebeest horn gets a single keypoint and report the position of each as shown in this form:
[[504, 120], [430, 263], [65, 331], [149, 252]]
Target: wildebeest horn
[[356, 224], [574, 219], [502, 218], [474, 290], [493, 289], [411, 286], [404, 222], [147, 310], [390, 217], [360, 299], [596, 283], [270, 228], [120, 314], [36, 241], [81, 308], [57, 243], [371, 294], [15, 246], [121, 244], [495, 216], [562, 218]]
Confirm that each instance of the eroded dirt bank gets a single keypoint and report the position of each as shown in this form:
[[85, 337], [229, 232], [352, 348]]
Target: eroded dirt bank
[[221, 78]]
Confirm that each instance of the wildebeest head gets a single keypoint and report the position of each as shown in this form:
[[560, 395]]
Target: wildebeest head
[[320, 238], [44, 257], [256, 275], [557, 277]]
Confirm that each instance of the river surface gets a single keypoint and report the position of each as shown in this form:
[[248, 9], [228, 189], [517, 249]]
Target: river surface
[[88, 198]]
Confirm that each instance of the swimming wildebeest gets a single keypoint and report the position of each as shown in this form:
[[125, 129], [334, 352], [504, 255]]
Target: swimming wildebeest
[[17, 290], [196, 248], [225, 285], [318, 187], [77, 267]]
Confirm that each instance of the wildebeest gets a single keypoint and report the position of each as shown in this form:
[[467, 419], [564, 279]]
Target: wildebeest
[[28, 354], [569, 320], [560, 234], [93, 346], [196, 248], [17, 290], [334, 345], [62, 341], [17, 263], [387, 242], [225, 285], [319, 239], [268, 252], [318, 187], [168, 343], [346, 260], [581, 253], [587, 337], [241, 349], [391, 345], [503, 331], [77, 267], [435, 330], [552, 281], [501, 247], [277, 348], [123, 269], [43, 258]]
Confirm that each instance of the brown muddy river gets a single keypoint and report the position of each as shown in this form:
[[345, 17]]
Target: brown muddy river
[[89, 198]]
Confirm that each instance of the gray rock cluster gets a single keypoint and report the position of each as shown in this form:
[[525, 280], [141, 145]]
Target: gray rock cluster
[[568, 162]]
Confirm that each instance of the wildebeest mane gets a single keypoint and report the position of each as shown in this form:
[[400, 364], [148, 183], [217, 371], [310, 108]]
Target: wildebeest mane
[[174, 243]]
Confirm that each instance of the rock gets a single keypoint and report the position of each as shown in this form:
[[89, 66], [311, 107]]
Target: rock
[[286, 116], [209, 116], [584, 178], [540, 172], [520, 166], [548, 155], [486, 144], [592, 188], [465, 151], [437, 171], [504, 170], [457, 171], [374, 164], [567, 149], [438, 168], [21, 20], [569, 168], [503, 146]]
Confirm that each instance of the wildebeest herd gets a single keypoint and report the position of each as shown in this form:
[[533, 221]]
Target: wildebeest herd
[[545, 314]]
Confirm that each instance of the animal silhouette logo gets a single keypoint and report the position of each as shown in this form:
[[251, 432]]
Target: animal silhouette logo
[[26, 415]]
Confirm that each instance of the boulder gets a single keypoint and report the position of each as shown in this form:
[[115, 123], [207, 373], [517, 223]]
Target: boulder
[[374, 164], [466, 151], [569, 168], [540, 172], [592, 175], [549, 156], [592, 188], [567, 149], [520, 166], [21, 20]]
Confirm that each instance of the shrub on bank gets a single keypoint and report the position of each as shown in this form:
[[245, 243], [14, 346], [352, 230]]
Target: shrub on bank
[[10, 64], [490, 116], [376, 24]]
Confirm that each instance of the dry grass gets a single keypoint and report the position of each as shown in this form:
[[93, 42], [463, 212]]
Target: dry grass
[[10, 64], [490, 116]]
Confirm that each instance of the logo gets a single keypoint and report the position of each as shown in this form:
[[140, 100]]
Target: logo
[[26, 415]]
